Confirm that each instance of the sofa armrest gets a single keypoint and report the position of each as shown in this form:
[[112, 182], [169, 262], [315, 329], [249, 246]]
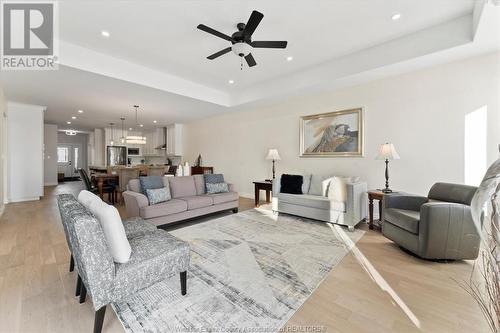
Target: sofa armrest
[[231, 187], [355, 203], [404, 201], [447, 230], [276, 186], [134, 201]]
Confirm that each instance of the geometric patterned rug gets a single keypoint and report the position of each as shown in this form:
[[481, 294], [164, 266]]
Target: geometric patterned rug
[[249, 271]]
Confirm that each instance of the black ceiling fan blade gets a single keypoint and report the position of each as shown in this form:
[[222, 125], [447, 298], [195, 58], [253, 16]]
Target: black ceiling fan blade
[[250, 60], [214, 32], [270, 44], [218, 54], [252, 23]]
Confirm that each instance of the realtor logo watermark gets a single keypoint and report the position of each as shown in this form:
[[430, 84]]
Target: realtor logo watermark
[[29, 35]]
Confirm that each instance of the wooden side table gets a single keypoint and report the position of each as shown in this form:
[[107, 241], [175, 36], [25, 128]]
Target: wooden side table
[[375, 195], [266, 186]]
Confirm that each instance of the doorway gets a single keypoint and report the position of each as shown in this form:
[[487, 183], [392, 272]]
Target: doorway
[[69, 159]]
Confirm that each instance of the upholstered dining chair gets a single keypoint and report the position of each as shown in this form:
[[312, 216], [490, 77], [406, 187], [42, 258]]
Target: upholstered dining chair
[[157, 171], [110, 189], [125, 175], [438, 226]]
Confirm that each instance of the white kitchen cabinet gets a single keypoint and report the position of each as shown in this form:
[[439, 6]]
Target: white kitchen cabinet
[[174, 139]]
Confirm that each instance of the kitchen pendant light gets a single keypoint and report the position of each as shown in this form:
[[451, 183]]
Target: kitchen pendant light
[[112, 142], [136, 139], [122, 139]]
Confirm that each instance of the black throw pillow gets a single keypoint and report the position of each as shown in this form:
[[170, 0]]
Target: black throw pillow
[[291, 184]]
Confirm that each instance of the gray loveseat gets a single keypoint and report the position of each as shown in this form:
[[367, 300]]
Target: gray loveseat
[[155, 256], [312, 204], [189, 200], [438, 226]]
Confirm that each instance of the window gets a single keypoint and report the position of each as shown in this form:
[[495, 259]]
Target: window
[[62, 155], [75, 157]]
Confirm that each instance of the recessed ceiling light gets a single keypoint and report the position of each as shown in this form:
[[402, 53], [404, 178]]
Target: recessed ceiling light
[[141, 125], [290, 58], [231, 81], [105, 33], [73, 117], [80, 111], [130, 128], [68, 122], [396, 17], [154, 121]]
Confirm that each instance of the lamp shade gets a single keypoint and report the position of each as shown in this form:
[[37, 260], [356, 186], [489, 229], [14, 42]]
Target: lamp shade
[[273, 154], [387, 152]]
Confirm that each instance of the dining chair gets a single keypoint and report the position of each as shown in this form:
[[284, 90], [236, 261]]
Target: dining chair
[[107, 188]]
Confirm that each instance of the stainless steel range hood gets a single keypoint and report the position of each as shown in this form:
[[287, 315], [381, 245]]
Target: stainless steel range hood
[[163, 146]]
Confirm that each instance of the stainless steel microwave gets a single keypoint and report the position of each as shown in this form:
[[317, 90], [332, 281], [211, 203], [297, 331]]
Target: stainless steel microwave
[[134, 151]]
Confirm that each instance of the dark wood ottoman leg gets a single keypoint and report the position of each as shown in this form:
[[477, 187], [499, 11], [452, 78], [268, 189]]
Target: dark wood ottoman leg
[[183, 282], [83, 293], [78, 286], [71, 263], [99, 319]]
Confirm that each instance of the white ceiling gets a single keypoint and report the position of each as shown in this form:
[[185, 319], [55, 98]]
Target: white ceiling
[[163, 35], [155, 56], [102, 99]]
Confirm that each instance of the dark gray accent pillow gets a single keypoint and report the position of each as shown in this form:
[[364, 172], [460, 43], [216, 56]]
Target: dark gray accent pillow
[[150, 183], [214, 178], [291, 184]]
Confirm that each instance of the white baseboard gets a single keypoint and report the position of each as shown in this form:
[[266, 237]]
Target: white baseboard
[[51, 184], [24, 199]]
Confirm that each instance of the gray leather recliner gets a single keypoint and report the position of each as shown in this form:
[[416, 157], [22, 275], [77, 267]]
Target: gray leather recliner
[[437, 227]]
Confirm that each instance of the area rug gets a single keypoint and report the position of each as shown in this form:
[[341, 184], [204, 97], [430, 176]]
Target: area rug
[[249, 272]]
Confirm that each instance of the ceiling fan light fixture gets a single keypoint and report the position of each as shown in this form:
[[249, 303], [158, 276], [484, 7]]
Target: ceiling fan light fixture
[[241, 49]]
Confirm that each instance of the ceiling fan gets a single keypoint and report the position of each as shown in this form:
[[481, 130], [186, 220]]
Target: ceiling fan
[[242, 40]]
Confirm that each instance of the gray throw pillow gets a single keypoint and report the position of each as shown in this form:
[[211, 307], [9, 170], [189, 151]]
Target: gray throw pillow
[[213, 178], [306, 184], [316, 187], [158, 195], [150, 182], [213, 188]]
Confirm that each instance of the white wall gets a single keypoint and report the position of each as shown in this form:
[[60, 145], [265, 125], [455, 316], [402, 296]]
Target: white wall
[[3, 150], [50, 154], [25, 152], [422, 113]]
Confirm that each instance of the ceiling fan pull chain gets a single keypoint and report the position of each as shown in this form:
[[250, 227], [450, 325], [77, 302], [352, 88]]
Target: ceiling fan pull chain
[[241, 63]]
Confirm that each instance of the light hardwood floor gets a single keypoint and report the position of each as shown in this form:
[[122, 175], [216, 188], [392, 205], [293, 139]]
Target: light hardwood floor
[[376, 288]]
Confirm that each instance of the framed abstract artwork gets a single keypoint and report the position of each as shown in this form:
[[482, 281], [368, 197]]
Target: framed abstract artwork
[[333, 134]]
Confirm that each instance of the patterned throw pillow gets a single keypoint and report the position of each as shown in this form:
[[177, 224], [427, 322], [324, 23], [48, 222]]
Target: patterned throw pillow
[[150, 182], [213, 179], [158, 195], [213, 188]]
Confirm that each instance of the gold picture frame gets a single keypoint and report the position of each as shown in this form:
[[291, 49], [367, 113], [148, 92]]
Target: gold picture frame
[[332, 134]]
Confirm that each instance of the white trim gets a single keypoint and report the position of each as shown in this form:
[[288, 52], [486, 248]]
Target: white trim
[[24, 199]]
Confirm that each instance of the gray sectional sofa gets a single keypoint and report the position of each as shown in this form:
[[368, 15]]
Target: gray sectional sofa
[[189, 200], [312, 204]]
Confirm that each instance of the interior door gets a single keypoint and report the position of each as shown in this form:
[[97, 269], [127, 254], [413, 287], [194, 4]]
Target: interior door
[[69, 159]]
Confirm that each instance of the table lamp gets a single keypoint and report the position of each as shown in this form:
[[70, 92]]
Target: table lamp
[[273, 155], [387, 152]]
